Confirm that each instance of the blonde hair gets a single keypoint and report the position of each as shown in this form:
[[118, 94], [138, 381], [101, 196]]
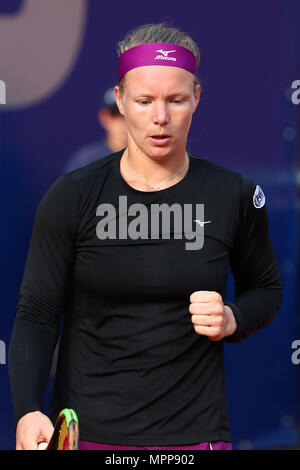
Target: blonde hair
[[160, 32]]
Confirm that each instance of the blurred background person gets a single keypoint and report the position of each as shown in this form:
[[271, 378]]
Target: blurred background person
[[115, 139]]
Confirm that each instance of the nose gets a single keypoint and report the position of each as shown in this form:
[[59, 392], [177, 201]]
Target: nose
[[161, 114]]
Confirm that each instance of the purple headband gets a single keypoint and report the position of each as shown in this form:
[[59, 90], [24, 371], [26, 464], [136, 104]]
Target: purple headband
[[157, 53]]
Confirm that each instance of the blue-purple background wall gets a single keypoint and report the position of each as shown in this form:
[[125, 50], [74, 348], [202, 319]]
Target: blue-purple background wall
[[245, 121]]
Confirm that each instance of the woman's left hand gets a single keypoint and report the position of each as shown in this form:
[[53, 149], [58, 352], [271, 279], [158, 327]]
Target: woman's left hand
[[210, 316]]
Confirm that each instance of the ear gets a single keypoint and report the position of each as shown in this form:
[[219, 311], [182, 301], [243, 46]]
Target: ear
[[118, 98], [197, 95]]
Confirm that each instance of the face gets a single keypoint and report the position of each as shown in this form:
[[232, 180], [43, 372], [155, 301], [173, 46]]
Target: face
[[158, 103]]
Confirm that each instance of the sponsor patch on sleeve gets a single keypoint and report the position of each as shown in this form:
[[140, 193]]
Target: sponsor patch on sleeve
[[258, 197]]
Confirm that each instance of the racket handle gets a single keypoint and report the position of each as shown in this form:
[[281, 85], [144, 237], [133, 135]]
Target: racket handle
[[42, 445]]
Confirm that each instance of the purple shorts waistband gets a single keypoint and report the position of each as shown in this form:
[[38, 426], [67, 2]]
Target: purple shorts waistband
[[214, 445]]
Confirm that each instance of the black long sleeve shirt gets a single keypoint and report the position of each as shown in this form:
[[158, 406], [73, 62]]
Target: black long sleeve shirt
[[130, 362]]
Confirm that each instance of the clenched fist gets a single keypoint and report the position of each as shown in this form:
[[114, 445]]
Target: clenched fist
[[210, 316]]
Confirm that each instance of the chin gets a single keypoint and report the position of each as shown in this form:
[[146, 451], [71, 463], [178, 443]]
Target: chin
[[160, 152], [159, 155]]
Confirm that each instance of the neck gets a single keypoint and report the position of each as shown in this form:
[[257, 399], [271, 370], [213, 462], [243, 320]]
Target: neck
[[152, 168]]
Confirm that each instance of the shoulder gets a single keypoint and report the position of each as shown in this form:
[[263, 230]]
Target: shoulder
[[67, 197], [87, 154], [94, 169], [222, 178], [214, 170], [65, 192], [67, 188]]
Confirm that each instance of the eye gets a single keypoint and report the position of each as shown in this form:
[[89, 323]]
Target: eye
[[143, 102], [177, 100]]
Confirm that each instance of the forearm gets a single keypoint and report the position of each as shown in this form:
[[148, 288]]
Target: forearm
[[29, 360], [253, 310]]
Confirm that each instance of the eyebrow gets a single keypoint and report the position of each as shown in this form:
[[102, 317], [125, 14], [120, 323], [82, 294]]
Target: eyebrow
[[149, 95]]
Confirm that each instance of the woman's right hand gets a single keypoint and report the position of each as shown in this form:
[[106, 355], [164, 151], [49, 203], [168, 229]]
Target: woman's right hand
[[33, 428]]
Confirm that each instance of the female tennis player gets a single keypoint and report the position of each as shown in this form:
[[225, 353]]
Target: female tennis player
[[134, 250]]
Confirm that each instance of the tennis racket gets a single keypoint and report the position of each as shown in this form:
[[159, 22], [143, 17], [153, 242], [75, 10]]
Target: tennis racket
[[66, 432]]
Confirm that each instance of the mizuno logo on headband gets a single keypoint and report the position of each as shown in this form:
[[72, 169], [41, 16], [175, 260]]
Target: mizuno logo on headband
[[146, 54], [165, 54]]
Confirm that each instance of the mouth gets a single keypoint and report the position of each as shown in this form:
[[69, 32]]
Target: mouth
[[160, 138]]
